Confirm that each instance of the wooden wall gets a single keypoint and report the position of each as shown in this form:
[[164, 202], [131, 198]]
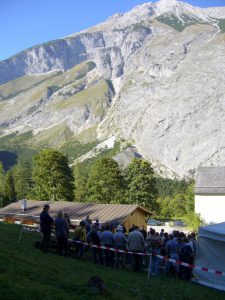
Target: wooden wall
[[29, 222], [138, 218], [13, 220]]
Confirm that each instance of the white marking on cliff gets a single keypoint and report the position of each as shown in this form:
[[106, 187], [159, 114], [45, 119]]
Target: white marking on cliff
[[107, 144]]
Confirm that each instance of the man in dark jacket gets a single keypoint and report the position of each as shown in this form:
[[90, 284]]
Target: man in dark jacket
[[95, 237], [46, 222]]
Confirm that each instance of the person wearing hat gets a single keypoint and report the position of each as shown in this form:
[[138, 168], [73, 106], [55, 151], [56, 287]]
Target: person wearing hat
[[120, 243]]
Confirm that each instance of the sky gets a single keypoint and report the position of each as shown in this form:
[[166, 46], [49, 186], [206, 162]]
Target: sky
[[25, 23]]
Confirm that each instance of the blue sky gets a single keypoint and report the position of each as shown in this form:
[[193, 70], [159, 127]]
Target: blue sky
[[24, 23]]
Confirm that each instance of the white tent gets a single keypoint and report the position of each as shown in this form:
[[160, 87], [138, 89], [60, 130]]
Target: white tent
[[210, 253]]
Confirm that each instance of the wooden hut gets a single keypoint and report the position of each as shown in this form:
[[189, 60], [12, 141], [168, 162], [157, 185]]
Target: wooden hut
[[115, 214]]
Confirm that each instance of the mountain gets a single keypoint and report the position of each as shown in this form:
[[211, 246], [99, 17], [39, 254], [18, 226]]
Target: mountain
[[152, 77]]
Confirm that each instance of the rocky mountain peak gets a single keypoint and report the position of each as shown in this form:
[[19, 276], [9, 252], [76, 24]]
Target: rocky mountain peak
[[179, 9], [153, 76], [167, 5]]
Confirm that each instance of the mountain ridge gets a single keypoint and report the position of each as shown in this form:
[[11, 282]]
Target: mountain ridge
[[150, 76], [156, 9]]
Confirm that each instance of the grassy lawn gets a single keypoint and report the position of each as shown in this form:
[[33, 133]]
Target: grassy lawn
[[27, 273]]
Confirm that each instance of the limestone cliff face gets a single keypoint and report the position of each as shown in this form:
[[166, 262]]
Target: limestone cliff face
[[107, 48], [154, 75]]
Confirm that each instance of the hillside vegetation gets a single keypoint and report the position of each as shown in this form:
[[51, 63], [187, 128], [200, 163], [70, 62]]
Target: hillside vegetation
[[27, 273], [153, 75], [50, 177]]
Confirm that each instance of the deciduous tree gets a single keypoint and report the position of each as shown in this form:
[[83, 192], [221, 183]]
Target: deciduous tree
[[80, 183], [52, 176], [140, 184], [105, 183]]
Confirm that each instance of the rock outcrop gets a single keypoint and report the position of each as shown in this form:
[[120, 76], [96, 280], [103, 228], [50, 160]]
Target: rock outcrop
[[154, 75]]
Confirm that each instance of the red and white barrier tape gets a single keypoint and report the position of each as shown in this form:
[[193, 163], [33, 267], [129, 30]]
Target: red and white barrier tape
[[180, 263], [177, 262], [113, 249]]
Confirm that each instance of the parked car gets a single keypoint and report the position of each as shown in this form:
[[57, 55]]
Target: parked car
[[177, 223], [153, 222]]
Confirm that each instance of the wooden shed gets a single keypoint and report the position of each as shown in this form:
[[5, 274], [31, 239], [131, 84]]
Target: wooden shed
[[115, 214], [210, 194]]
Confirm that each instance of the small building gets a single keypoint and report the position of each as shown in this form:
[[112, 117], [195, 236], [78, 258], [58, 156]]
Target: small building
[[210, 194], [114, 214]]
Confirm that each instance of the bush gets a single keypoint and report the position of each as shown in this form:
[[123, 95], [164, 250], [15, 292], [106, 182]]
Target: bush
[[193, 221]]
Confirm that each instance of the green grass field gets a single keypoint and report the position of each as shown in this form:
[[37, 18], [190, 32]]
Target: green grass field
[[27, 273]]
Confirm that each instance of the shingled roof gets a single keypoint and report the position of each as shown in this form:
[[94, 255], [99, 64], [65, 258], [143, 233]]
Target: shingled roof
[[210, 181], [115, 213]]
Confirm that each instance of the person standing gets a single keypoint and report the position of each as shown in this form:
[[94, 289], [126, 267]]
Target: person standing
[[132, 228], [136, 244], [96, 241], [46, 222], [161, 235], [120, 243], [67, 218], [172, 249], [97, 223], [62, 232], [88, 223], [187, 256], [143, 231], [107, 240], [80, 236], [155, 243]]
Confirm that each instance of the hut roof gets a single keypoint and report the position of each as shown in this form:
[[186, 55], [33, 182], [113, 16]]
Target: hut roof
[[210, 180], [115, 213]]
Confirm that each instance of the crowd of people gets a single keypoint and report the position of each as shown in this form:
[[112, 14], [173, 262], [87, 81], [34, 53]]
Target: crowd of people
[[176, 245]]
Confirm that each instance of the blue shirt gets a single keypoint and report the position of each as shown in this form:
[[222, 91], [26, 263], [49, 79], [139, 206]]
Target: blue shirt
[[107, 237], [61, 228], [120, 240], [172, 247]]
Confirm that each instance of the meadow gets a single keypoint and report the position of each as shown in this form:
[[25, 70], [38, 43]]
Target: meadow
[[27, 273]]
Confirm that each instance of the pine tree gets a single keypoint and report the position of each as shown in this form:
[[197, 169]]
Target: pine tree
[[52, 176], [2, 177], [105, 184], [9, 188], [23, 179], [80, 183], [140, 184]]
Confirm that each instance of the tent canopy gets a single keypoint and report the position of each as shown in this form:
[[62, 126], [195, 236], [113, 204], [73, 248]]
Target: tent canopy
[[210, 254], [214, 232]]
